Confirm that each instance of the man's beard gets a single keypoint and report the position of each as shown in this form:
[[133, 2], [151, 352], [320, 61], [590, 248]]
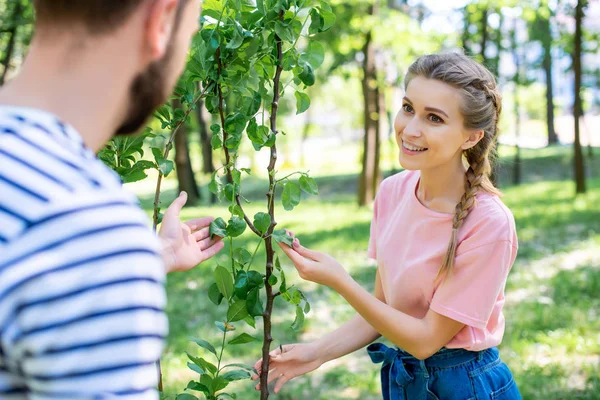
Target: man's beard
[[147, 92]]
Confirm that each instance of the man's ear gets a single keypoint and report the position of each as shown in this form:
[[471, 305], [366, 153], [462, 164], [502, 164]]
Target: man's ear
[[473, 139], [160, 23]]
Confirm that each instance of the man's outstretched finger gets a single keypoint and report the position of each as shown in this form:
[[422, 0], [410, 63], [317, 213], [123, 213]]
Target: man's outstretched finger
[[213, 250], [202, 234], [199, 223]]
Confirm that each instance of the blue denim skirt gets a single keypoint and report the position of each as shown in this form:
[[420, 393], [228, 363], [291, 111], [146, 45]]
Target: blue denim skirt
[[449, 374]]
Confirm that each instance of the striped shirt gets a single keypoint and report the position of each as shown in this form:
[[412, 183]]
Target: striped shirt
[[81, 278]]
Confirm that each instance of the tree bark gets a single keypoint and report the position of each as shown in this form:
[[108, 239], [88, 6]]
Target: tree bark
[[208, 166], [183, 165], [10, 47], [371, 174], [579, 167], [484, 34], [547, 63]]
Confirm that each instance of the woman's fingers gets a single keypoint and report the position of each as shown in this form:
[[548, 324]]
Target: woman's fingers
[[281, 381]]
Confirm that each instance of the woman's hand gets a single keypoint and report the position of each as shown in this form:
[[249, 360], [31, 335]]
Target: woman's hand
[[315, 266], [295, 360]]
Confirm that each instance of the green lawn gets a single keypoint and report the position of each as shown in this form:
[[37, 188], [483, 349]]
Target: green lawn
[[552, 341]]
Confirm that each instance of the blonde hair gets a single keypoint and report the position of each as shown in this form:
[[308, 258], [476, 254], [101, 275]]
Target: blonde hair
[[481, 107]]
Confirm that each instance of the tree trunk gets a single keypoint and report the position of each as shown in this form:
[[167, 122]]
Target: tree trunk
[[370, 175], [465, 37], [205, 137], [208, 166], [577, 108], [183, 165], [10, 47], [484, 34], [547, 63]]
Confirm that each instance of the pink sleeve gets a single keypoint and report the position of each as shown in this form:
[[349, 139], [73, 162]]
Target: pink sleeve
[[372, 249], [478, 278]]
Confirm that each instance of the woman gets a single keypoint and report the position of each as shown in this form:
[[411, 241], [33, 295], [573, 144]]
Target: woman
[[444, 245]]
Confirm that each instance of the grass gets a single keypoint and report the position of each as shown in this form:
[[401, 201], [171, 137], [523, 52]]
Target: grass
[[552, 340]]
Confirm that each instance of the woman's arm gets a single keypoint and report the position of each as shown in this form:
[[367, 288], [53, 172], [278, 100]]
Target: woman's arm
[[420, 337], [357, 333], [294, 360]]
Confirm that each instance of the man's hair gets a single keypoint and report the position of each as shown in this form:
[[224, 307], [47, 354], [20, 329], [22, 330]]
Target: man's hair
[[96, 16]]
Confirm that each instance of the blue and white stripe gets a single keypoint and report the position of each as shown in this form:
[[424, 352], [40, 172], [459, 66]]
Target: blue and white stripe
[[81, 279]]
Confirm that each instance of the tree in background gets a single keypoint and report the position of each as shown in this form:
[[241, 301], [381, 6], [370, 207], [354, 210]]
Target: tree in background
[[577, 107], [183, 164], [540, 16], [15, 34]]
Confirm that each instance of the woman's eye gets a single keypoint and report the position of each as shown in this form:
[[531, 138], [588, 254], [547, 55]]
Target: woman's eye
[[435, 118], [407, 108]]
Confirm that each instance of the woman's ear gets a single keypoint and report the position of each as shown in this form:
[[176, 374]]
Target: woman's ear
[[473, 139]]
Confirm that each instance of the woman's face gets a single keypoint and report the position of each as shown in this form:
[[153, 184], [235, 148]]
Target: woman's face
[[429, 126]]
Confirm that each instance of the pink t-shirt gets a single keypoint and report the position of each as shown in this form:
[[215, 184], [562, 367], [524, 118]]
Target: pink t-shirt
[[409, 242]]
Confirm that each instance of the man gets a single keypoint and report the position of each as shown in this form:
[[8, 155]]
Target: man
[[81, 274]]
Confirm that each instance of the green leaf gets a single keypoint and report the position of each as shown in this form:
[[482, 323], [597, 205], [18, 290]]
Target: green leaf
[[215, 129], [198, 386], [299, 321], [195, 368], [216, 141], [204, 344], [214, 294], [252, 104], [236, 176], [283, 287], [281, 236], [241, 339], [302, 102], [262, 221], [224, 281], [292, 296], [218, 227], [166, 166], [254, 304], [291, 195], [273, 280], [307, 76], [235, 124], [284, 32], [314, 55], [316, 22], [328, 20], [219, 383], [255, 279], [236, 226], [215, 184], [202, 363], [206, 380], [250, 321], [236, 41], [237, 311], [308, 185], [185, 396], [242, 256], [236, 375]]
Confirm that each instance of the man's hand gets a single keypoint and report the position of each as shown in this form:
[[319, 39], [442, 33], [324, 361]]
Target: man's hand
[[186, 244]]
